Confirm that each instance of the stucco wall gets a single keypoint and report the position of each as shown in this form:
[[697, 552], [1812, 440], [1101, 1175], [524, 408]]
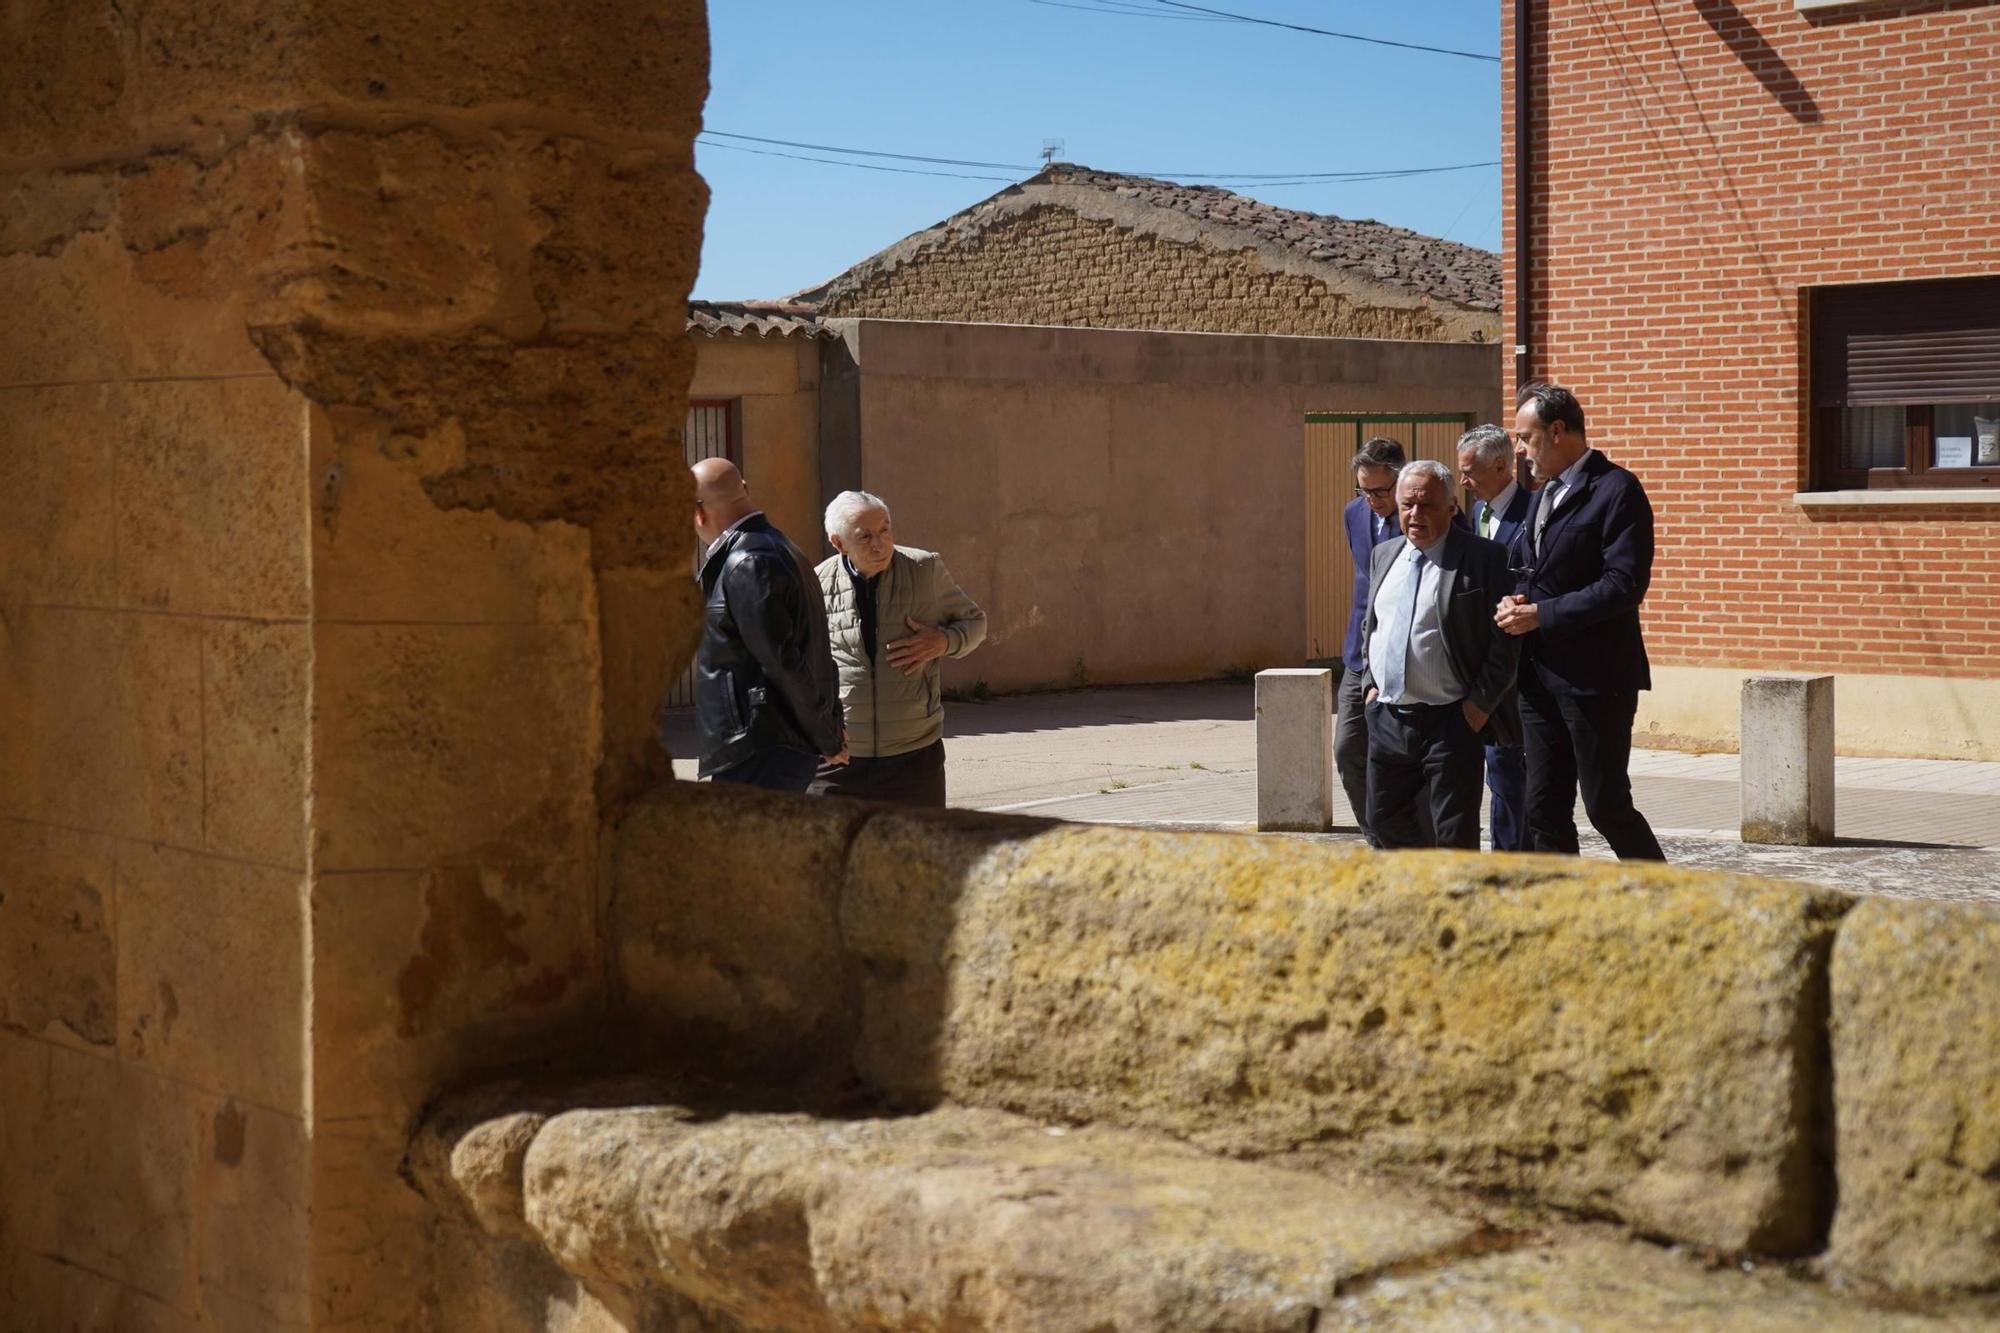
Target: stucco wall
[[775, 382], [1126, 506], [1052, 266]]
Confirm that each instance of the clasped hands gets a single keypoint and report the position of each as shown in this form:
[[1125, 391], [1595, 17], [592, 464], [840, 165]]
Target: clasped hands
[[1517, 615]]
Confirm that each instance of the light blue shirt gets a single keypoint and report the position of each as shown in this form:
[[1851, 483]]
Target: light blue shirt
[[1424, 675]]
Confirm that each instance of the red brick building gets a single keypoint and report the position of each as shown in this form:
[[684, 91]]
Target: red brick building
[[1760, 240]]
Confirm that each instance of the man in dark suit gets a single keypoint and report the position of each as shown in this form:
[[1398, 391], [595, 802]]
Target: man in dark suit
[[1440, 679], [1486, 466], [1586, 558], [1370, 520]]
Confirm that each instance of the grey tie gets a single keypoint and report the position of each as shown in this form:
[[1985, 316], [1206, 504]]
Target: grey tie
[[1545, 506]]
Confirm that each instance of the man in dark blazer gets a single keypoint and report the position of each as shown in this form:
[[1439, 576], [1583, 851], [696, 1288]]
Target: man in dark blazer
[[1500, 506], [1585, 558], [1440, 675], [1369, 520]]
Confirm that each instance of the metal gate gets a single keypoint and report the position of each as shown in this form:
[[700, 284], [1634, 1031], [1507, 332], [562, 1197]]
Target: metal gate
[[1332, 439], [711, 433]]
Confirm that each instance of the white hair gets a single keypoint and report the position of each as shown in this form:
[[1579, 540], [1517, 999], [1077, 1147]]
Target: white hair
[[847, 507], [1430, 467]]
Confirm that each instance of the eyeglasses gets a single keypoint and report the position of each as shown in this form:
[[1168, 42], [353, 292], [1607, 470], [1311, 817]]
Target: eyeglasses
[[1376, 492]]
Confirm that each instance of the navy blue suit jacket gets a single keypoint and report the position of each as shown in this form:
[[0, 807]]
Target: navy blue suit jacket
[[1359, 520], [1511, 518], [1595, 564]]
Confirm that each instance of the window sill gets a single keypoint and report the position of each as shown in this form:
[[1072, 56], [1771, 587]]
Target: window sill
[[1899, 499]]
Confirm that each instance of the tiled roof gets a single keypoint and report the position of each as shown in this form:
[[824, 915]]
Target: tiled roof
[[767, 318], [1403, 262], [1396, 256]]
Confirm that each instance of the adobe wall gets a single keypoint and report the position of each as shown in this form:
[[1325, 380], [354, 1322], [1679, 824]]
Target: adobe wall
[[1126, 506], [1049, 265], [1697, 167], [775, 381], [341, 399]]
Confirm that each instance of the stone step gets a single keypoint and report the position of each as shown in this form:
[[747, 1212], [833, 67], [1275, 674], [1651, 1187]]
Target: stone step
[[963, 1220]]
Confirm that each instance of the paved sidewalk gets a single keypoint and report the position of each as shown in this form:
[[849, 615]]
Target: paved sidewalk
[[1185, 755]]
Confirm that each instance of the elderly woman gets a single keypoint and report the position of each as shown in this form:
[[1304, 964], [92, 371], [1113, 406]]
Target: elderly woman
[[892, 611]]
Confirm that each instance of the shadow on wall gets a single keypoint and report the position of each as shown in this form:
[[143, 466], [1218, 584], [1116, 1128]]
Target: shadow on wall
[[1742, 37]]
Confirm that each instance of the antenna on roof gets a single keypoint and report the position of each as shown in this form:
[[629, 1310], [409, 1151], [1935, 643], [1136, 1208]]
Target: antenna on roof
[[1051, 150]]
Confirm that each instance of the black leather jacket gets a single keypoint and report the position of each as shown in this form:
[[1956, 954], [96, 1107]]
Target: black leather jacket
[[764, 676]]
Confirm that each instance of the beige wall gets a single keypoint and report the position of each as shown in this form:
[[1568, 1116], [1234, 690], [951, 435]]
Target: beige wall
[[775, 382], [340, 405], [1126, 506]]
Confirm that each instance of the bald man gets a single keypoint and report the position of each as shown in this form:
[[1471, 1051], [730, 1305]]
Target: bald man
[[766, 695]]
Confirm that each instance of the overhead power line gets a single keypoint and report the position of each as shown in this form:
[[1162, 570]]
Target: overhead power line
[[1327, 32], [1245, 177], [860, 166], [1134, 11]]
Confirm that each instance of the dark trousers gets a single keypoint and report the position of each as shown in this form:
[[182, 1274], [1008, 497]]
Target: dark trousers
[[916, 778], [1423, 758], [1582, 740], [1350, 746], [1507, 779], [776, 769], [1350, 754]]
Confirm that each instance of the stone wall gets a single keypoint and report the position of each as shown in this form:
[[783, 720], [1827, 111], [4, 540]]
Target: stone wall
[[1052, 266], [341, 406], [1740, 1064]]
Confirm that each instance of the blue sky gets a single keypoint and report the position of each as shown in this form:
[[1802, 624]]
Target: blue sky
[[988, 80]]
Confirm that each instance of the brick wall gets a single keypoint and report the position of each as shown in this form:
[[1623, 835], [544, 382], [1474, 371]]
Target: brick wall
[[1697, 165], [1052, 266]]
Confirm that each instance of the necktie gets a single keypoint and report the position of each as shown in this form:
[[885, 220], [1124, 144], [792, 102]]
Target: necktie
[[1400, 617], [1487, 522], [1543, 509]]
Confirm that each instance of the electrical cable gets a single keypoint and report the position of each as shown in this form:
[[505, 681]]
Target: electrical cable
[[1325, 32]]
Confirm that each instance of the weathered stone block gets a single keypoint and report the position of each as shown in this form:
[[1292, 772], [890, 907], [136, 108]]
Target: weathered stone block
[[256, 711], [211, 973], [637, 68], [212, 530], [1600, 1284], [1787, 780], [1916, 1062], [383, 550], [102, 715], [58, 965], [65, 77], [725, 914], [416, 769], [57, 542], [1638, 1041], [1295, 750], [98, 1163], [419, 976], [958, 1219], [253, 1217]]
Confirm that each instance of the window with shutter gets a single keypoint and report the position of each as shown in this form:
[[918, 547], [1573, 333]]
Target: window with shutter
[[1905, 384]]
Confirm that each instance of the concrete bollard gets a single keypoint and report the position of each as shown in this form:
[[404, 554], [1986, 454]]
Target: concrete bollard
[[1295, 750], [1788, 760]]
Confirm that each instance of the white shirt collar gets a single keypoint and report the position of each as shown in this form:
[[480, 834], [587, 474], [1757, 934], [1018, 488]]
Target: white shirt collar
[[1498, 504]]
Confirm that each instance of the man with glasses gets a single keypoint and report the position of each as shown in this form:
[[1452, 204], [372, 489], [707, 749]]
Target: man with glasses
[[1370, 520]]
